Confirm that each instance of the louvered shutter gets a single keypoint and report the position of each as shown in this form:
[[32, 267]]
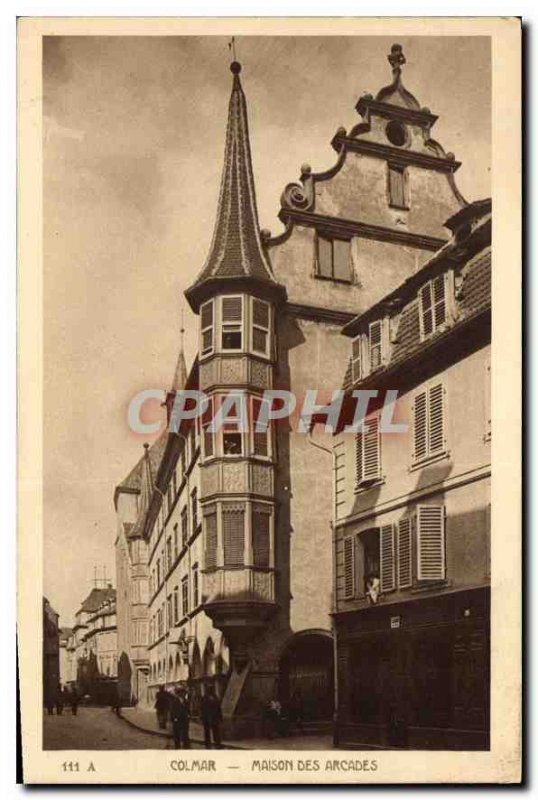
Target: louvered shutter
[[371, 470], [420, 428], [349, 567], [210, 523], [436, 420], [261, 518], [386, 558], [358, 458], [397, 186], [375, 332], [341, 265], [439, 300], [232, 309], [430, 543], [206, 316], [325, 257], [356, 359], [405, 575], [426, 310], [233, 534]]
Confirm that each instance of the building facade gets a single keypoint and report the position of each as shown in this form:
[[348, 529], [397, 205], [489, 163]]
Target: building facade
[[94, 644], [239, 525], [51, 654], [412, 518], [66, 662]]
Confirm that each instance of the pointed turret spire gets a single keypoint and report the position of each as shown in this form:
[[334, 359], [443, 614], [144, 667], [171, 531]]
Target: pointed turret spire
[[236, 251], [146, 490], [396, 94], [179, 381]]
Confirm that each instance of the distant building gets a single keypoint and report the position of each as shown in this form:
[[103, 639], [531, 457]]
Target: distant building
[[66, 664], [238, 528], [413, 509], [94, 640], [51, 653]]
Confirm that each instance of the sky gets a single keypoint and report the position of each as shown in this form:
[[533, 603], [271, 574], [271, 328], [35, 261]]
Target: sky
[[133, 147]]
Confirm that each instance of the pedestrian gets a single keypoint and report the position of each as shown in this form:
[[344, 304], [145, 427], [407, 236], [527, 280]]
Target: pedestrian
[[211, 718], [73, 700], [179, 711], [116, 701], [50, 703], [59, 699], [296, 712], [162, 704]]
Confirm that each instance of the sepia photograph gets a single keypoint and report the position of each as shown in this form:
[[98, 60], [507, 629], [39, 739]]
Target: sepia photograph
[[267, 400]]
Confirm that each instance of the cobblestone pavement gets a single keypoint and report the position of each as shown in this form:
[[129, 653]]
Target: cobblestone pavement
[[95, 729]]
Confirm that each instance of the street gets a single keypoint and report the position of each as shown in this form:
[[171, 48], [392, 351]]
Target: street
[[95, 729]]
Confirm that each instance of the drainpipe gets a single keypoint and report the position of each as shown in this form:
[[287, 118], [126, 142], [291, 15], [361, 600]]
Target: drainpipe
[[336, 735]]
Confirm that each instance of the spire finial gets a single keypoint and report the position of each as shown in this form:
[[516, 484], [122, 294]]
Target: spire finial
[[146, 447], [235, 66], [396, 59]]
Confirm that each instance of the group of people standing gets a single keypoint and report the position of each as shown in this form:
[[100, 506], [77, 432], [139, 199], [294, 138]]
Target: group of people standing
[[66, 696], [175, 706]]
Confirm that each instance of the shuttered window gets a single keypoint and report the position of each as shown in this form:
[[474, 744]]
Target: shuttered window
[[433, 305], [185, 595], [210, 524], [260, 439], [397, 186], [368, 452], [261, 526], [206, 324], [405, 563], [430, 543], [356, 359], [349, 567], [261, 326], [333, 258], [208, 436], [387, 558], [232, 323], [375, 344], [429, 424], [233, 534]]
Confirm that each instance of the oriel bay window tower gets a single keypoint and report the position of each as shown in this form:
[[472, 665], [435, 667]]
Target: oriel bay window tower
[[236, 297]]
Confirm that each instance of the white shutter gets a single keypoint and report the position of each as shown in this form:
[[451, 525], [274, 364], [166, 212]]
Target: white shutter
[[426, 311], [436, 420], [232, 309], [349, 567], [368, 452], [374, 339], [431, 543], [405, 575], [386, 558], [420, 427], [358, 458], [439, 300], [356, 359]]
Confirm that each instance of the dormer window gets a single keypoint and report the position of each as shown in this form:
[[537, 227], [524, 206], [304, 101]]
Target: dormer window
[[333, 258], [375, 335], [232, 323], [433, 299]]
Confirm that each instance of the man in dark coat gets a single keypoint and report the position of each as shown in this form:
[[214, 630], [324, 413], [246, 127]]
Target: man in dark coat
[[211, 718], [59, 699], [162, 704], [179, 712], [73, 700]]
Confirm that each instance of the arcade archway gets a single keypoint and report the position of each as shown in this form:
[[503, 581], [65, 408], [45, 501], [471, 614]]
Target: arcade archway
[[306, 674]]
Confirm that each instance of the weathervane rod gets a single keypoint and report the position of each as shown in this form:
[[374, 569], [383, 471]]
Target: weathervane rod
[[231, 46]]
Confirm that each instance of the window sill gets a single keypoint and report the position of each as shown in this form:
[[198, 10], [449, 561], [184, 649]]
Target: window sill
[[364, 487], [425, 462], [343, 281]]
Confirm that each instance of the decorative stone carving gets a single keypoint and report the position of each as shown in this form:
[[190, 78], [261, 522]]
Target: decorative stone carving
[[262, 479], [234, 477], [210, 479], [260, 375], [232, 370], [300, 195], [208, 373], [262, 585]]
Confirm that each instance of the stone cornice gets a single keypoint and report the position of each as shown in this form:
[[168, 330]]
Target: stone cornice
[[424, 117], [349, 228], [395, 155], [317, 314]]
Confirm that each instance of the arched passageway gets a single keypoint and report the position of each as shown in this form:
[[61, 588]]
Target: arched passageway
[[306, 674]]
